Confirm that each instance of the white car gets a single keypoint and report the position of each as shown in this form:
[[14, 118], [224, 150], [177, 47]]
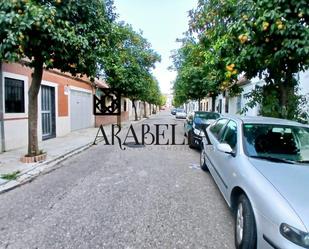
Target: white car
[[180, 113]]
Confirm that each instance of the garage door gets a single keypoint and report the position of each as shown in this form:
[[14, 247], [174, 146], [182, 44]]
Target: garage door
[[80, 110]]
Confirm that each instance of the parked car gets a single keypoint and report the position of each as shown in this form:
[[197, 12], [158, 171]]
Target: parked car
[[173, 111], [195, 124], [261, 166], [181, 113]]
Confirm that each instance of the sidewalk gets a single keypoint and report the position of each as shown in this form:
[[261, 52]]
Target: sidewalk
[[58, 149]]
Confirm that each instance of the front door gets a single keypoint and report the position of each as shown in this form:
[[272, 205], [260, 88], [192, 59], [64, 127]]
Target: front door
[[48, 112]]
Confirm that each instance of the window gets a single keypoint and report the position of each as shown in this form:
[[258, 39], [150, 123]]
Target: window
[[230, 135], [217, 127], [238, 104], [206, 115], [14, 96]]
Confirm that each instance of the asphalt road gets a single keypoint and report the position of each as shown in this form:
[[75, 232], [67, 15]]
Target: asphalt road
[[145, 197]]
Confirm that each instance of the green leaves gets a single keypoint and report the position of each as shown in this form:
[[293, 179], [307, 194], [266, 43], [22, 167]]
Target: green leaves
[[64, 34], [127, 66], [268, 38]]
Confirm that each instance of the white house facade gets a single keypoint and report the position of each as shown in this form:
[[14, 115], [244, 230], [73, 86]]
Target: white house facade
[[224, 104]]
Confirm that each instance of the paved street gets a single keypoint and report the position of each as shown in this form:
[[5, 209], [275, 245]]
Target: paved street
[[146, 197]]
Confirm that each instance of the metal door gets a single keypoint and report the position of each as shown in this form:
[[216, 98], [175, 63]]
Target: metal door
[[48, 112], [80, 109]]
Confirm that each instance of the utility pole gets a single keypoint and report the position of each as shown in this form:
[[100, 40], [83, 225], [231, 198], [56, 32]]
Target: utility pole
[[1, 110]]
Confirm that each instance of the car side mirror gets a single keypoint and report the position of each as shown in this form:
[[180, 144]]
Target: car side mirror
[[225, 148]]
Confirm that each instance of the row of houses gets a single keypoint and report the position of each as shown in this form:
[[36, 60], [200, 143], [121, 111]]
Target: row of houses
[[65, 104], [225, 104]]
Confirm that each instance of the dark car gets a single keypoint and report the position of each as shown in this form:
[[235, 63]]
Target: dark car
[[195, 125]]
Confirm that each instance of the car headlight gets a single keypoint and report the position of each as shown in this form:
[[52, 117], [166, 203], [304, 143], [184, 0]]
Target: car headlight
[[198, 132], [294, 235]]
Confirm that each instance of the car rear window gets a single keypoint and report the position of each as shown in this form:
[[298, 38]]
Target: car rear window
[[206, 115]]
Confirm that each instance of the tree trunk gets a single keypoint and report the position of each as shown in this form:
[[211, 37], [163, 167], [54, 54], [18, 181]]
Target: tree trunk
[[145, 110], [283, 99], [287, 101], [135, 112], [213, 103], [33, 146]]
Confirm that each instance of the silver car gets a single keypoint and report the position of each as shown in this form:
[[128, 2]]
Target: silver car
[[261, 166], [181, 113]]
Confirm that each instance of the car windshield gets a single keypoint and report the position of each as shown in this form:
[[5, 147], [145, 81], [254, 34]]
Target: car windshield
[[203, 117], [180, 110], [277, 142]]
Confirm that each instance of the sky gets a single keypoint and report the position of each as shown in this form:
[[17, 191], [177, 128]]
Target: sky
[[162, 22]]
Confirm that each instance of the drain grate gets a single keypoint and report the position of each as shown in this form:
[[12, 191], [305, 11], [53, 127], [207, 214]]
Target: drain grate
[[134, 145]]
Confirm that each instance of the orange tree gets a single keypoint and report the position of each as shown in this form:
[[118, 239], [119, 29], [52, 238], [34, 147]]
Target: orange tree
[[272, 38], [265, 38], [129, 63], [190, 83], [153, 93], [203, 63], [62, 34]]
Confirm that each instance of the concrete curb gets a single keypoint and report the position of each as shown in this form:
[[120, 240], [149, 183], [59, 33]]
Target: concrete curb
[[49, 165]]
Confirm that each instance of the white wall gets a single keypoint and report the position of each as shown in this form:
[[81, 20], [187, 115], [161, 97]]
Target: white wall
[[247, 89], [16, 134], [63, 126], [191, 106], [233, 106], [304, 82]]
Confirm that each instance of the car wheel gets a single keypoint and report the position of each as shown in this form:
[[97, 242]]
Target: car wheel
[[202, 160], [245, 228]]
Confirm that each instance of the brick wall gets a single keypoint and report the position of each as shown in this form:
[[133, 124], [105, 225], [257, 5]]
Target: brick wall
[[105, 120]]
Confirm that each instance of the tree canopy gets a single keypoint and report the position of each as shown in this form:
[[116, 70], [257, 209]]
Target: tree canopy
[[131, 58], [264, 38], [67, 35]]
